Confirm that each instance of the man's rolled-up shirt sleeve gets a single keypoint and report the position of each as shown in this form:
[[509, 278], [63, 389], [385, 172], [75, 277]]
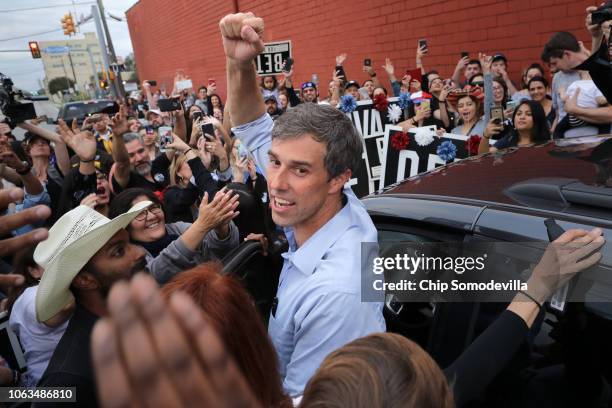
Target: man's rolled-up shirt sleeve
[[257, 137]]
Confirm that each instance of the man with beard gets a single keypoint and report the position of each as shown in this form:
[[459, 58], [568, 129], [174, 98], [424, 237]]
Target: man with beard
[[310, 92], [84, 255], [133, 166]]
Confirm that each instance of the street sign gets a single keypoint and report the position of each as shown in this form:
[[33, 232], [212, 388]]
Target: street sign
[[271, 60], [56, 50]]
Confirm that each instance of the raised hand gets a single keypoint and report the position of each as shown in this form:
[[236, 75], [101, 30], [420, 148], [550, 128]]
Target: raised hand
[[219, 211], [420, 53], [573, 252], [242, 36], [120, 123], [485, 62], [340, 59], [462, 63], [151, 352], [388, 67], [212, 120], [83, 143], [10, 158]]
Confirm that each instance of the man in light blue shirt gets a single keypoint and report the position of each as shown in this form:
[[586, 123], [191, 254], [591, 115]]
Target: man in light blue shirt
[[308, 155]]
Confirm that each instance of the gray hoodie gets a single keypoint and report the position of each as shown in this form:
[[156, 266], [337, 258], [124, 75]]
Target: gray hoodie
[[177, 257]]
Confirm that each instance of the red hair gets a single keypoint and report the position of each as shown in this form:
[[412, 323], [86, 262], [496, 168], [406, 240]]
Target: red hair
[[231, 311]]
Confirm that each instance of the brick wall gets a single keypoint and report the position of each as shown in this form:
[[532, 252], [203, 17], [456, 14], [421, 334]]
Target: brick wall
[[184, 34]]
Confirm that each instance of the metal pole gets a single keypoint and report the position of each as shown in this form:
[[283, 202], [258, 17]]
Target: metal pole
[[95, 73], [109, 41], [100, 34], [72, 66]]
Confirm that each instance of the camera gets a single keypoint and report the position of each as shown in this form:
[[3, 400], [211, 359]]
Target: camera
[[14, 111], [602, 14]]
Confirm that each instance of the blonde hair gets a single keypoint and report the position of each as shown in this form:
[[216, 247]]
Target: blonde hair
[[177, 161]]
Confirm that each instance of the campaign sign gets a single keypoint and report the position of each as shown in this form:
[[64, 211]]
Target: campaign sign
[[404, 157], [273, 57], [371, 123], [360, 182]]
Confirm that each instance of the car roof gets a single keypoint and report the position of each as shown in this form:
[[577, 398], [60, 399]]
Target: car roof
[[88, 102], [567, 175]]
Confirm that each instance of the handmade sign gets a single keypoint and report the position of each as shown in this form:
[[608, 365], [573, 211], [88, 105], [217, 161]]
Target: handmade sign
[[417, 151], [370, 118]]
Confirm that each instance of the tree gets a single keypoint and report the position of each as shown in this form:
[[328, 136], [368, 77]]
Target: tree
[[60, 84], [130, 66]]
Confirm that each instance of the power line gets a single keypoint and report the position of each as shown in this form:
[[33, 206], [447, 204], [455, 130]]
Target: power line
[[46, 7], [35, 34]]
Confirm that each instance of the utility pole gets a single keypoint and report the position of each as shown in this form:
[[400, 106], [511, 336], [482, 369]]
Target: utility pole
[[95, 73], [118, 81], [76, 85], [96, 16]]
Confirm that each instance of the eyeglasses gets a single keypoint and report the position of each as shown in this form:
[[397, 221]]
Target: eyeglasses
[[478, 83], [155, 209]]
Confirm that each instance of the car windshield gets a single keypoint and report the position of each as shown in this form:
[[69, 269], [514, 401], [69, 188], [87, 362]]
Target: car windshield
[[80, 110]]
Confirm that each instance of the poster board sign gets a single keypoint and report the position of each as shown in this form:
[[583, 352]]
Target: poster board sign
[[274, 55], [415, 159], [370, 123]]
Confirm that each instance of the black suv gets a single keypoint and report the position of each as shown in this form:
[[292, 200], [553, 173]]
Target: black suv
[[81, 110], [502, 197]]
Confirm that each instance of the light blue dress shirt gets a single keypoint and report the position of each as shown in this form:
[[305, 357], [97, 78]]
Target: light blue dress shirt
[[319, 305]]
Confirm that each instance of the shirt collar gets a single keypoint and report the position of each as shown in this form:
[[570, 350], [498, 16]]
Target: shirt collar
[[307, 257]]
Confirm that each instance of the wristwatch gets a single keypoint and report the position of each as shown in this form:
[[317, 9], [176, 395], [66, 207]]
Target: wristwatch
[[26, 169]]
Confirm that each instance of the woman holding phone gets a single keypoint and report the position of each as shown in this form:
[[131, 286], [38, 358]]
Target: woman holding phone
[[529, 127]]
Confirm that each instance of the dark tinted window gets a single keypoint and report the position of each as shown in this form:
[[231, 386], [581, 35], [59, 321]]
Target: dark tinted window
[[80, 110]]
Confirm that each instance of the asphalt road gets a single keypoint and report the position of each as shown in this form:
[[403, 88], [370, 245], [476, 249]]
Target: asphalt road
[[42, 108]]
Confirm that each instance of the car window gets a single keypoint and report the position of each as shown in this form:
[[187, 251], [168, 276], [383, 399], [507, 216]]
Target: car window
[[80, 110]]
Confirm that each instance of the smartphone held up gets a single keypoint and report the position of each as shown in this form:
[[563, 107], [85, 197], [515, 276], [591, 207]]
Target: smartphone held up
[[165, 137]]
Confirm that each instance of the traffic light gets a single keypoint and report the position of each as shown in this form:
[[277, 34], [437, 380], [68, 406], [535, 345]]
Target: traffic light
[[68, 24], [34, 49]]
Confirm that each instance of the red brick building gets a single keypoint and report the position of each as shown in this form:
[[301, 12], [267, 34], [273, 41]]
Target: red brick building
[[184, 34]]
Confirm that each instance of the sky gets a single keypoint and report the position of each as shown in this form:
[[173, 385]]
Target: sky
[[20, 66]]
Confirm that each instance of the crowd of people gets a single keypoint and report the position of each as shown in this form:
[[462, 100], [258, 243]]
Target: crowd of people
[[114, 229]]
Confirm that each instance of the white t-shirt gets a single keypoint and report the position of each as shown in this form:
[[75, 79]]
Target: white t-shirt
[[37, 340], [588, 93]]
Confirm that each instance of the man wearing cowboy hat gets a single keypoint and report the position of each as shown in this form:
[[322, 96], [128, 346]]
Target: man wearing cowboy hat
[[84, 255]]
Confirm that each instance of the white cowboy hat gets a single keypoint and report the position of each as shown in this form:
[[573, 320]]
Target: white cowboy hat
[[73, 240]]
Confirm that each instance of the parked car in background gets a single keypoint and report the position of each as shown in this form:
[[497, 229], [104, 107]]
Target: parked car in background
[[81, 110]]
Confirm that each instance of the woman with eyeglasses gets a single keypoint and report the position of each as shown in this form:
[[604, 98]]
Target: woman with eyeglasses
[[173, 248]]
